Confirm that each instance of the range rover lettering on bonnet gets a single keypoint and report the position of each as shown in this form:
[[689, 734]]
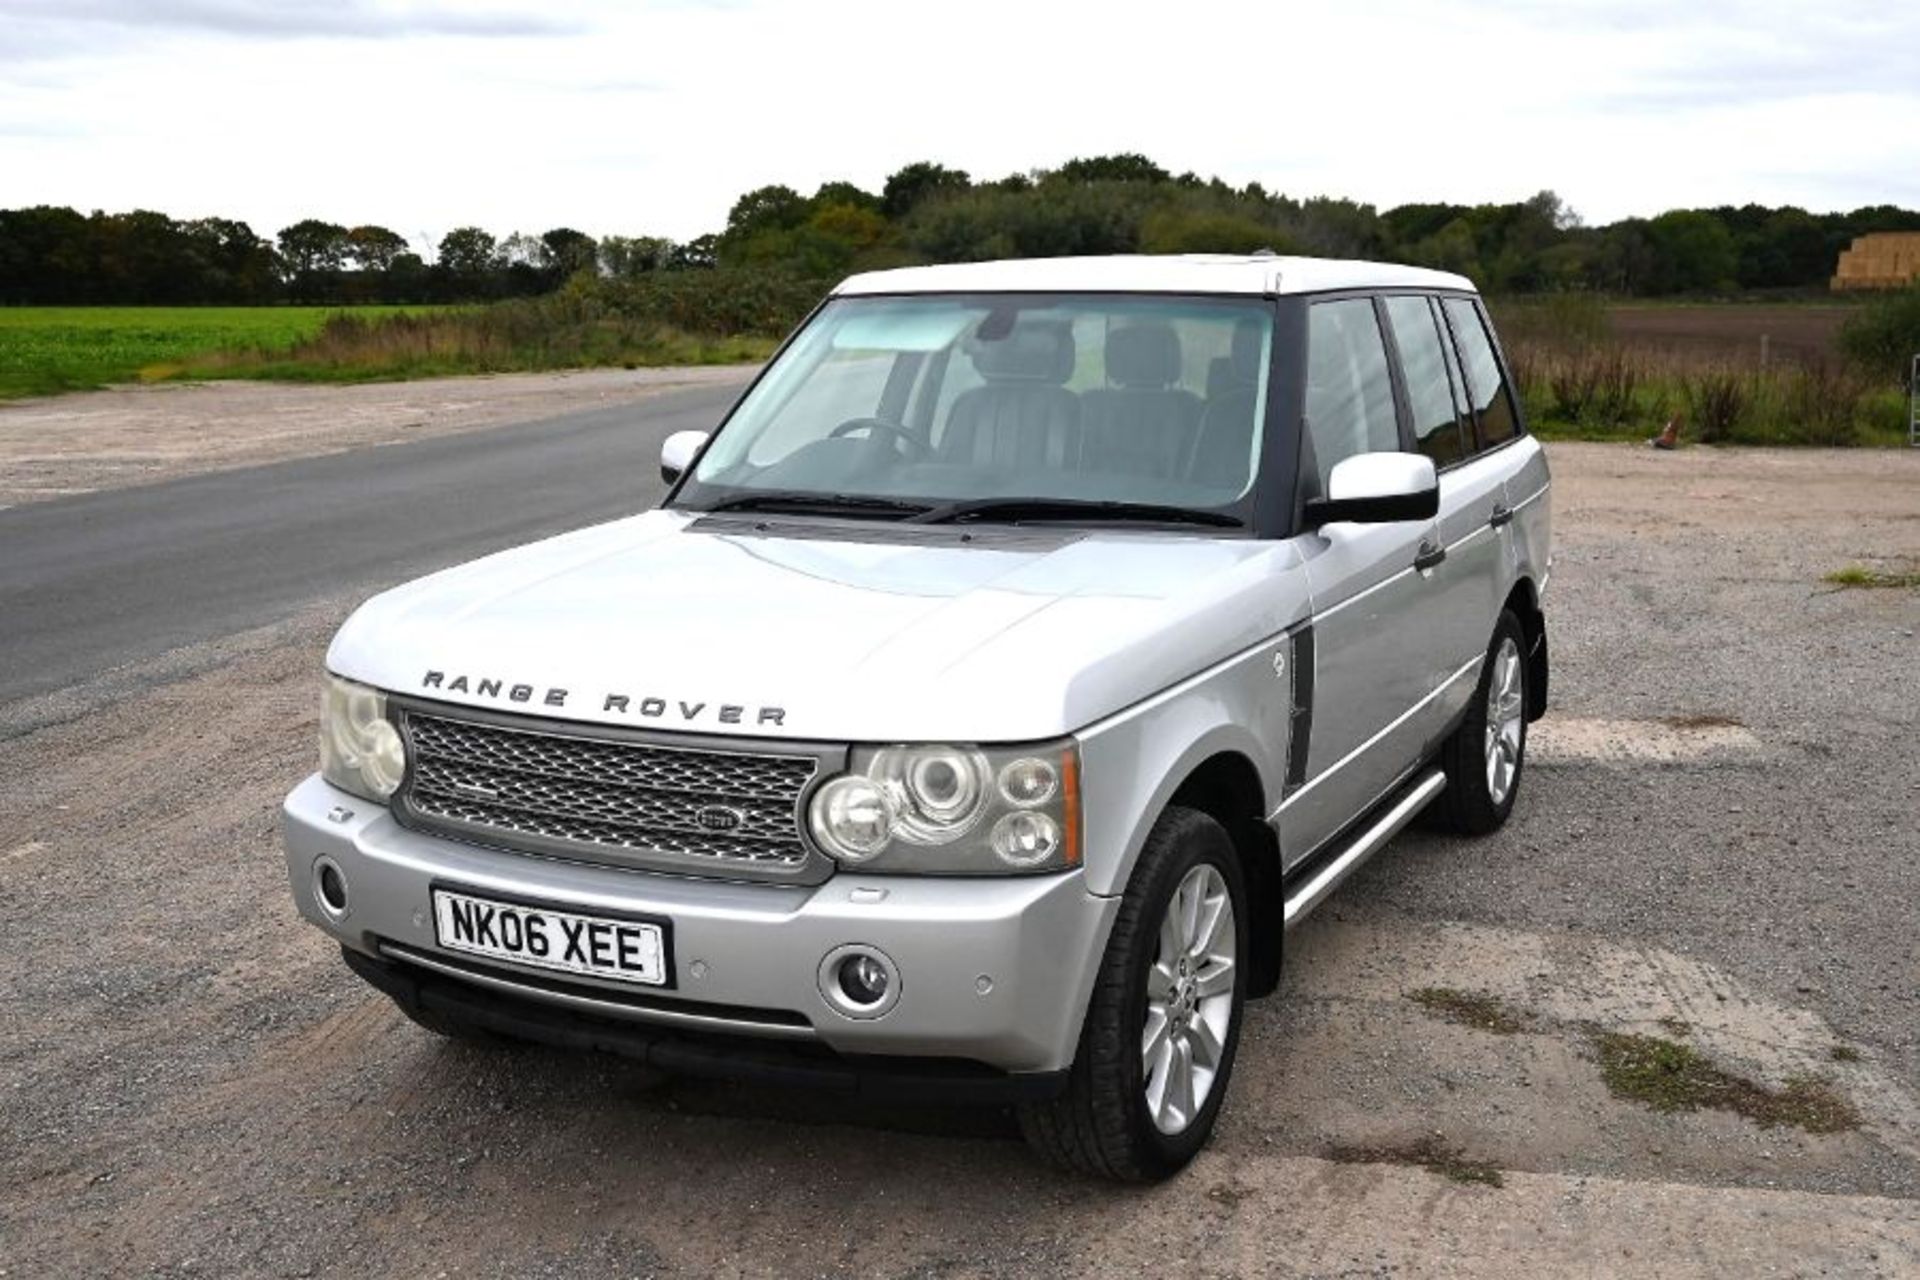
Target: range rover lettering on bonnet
[[649, 708]]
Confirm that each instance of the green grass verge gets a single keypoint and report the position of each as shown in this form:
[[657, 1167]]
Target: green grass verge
[[399, 366], [46, 350], [1876, 419], [574, 329]]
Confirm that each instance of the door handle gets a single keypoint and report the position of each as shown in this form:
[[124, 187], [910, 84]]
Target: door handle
[[1430, 555], [1502, 514]]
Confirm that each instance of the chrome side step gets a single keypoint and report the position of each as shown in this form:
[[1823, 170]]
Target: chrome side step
[[1364, 845]]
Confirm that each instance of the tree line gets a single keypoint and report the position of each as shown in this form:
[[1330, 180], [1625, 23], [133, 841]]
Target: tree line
[[927, 212], [57, 256]]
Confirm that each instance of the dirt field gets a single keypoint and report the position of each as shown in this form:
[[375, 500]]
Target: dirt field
[[1734, 332], [1714, 845], [137, 435]]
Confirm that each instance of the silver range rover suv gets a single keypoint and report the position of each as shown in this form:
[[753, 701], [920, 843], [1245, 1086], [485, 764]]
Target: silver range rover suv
[[1032, 646]]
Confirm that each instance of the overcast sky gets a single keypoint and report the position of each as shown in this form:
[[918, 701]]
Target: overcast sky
[[650, 117]]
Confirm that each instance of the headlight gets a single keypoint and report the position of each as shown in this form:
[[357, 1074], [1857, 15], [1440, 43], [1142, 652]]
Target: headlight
[[852, 818], [360, 750], [953, 810], [938, 792]]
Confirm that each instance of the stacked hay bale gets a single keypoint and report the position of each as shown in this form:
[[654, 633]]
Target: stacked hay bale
[[1882, 260]]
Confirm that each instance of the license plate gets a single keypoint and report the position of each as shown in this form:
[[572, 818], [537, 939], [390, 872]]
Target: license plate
[[543, 938]]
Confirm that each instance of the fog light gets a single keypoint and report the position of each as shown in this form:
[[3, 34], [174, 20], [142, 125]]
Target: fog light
[[859, 981], [863, 980], [330, 887]]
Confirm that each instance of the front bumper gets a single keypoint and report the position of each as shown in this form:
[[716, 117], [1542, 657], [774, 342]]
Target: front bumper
[[994, 972]]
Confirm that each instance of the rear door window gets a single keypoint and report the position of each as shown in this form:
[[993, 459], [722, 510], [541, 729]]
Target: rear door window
[[1486, 386], [1423, 364], [1349, 389]]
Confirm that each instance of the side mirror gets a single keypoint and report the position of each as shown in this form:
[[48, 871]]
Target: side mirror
[[1378, 488], [678, 451]]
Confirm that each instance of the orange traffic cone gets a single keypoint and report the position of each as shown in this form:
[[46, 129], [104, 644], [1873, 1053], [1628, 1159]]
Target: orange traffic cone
[[1668, 438]]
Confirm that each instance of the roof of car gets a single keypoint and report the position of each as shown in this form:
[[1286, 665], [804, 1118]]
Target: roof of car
[[1150, 273]]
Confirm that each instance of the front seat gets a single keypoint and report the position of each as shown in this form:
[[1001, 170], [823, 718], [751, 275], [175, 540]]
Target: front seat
[[1024, 416], [1141, 424]]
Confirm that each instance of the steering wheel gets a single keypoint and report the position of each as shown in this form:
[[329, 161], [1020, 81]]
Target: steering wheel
[[916, 447]]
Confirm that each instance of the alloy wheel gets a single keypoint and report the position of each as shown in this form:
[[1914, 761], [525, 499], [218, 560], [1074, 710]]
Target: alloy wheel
[[1506, 719], [1189, 999]]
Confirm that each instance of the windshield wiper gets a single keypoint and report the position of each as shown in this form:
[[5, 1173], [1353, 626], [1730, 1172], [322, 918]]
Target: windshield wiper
[[806, 503], [1016, 510]]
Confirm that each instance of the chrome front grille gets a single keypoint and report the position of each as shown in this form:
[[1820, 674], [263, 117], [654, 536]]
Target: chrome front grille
[[628, 800]]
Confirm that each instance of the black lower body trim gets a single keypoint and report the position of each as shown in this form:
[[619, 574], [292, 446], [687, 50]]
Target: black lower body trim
[[873, 1076]]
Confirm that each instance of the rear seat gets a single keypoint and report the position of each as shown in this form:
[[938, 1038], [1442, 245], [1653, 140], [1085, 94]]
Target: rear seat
[[1024, 416], [1142, 424]]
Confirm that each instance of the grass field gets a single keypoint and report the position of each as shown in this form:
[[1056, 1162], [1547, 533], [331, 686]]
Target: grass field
[[518, 336], [44, 350], [1757, 373], [47, 350]]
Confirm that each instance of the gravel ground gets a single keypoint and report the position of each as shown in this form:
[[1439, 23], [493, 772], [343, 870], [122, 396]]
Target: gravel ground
[[1715, 841]]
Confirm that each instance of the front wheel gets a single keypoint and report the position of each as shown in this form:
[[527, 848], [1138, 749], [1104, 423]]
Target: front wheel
[[1163, 1024], [1484, 757]]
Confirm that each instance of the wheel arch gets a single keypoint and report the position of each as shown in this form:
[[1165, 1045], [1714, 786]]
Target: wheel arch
[[1524, 601], [1226, 787], [1219, 743]]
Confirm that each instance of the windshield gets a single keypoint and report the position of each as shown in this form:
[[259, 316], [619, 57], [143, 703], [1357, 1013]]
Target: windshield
[[1121, 405]]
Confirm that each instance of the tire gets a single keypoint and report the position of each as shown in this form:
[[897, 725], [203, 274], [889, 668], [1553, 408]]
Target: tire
[[451, 1027], [1474, 803], [1103, 1124]]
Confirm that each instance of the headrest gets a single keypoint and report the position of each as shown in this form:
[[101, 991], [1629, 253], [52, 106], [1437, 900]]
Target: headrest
[[1031, 353], [1249, 344], [1143, 355]]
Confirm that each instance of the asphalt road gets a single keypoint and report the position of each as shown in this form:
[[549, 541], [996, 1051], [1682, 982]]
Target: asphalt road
[[91, 583]]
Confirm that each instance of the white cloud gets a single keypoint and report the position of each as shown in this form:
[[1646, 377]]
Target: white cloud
[[270, 19], [632, 118]]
